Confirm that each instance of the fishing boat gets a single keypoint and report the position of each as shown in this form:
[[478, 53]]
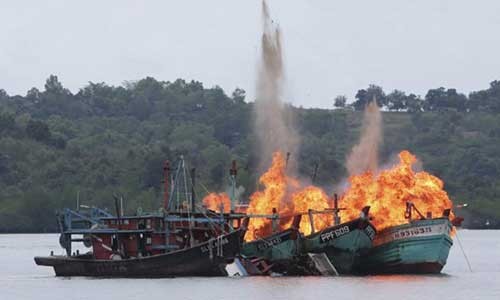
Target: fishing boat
[[204, 259], [420, 246], [342, 243], [181, 240], [277, 253]]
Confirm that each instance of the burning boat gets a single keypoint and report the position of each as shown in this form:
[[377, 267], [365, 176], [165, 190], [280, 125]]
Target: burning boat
[[343, 243], [419, 247], [182, 240], [317, 245], [404, 244], [277, 253]]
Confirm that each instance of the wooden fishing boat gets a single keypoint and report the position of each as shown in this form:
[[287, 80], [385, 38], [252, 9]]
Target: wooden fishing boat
[[420, 246], [181, 240], [205, 259]]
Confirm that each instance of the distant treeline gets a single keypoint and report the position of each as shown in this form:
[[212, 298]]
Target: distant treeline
[[440, 99], [113, 139]]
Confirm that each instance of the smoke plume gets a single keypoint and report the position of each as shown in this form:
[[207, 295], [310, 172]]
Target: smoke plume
[[273, 124], [364, 156]]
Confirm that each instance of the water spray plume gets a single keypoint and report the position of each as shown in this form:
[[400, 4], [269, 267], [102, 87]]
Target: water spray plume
[[280, 193], [273, 122], [364, 156]]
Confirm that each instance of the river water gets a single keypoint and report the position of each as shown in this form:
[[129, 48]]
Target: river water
[[20, 278]]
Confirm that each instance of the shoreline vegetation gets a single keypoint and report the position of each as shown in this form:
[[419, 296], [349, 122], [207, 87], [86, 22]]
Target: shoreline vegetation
[[55, 145]]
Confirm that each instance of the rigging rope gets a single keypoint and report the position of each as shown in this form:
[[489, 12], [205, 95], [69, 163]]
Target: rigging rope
[[463, 252]]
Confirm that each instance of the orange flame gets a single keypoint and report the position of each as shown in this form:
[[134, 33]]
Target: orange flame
[[274, 181], [283, 193], [215, 202], [388, 192], [313, 198]]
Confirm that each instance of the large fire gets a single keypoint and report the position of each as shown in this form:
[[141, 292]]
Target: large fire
[[388, 192], [314, 198], [285, 195], [217, 202]]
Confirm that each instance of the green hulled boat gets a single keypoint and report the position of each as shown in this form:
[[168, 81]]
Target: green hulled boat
[[418, 247], [344, 243], [281, 250]]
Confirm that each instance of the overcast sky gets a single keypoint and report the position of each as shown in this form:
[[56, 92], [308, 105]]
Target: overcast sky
[[331, 47]]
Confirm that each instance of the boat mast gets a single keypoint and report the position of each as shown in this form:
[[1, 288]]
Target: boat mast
[[336, 210], [193, 200], [232, 177], [166, 175]]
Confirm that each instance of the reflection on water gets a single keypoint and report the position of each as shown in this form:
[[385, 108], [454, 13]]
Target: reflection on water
[[20, 278]]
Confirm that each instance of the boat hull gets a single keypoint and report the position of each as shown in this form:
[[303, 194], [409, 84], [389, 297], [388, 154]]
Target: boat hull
[[280, 250], [343, 244], [420, 247], [206, 259]]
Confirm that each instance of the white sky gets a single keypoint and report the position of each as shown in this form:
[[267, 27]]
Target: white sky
[[331, 47]]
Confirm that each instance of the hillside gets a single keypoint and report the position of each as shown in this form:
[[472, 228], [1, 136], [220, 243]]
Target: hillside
[[104, 139]]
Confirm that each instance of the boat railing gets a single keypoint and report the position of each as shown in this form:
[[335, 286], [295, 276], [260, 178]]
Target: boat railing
[[80, 219]]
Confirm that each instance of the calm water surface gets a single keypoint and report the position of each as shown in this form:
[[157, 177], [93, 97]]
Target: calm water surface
[[20, 278]]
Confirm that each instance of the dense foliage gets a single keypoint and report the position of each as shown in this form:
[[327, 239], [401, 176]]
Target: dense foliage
[[55, 145]]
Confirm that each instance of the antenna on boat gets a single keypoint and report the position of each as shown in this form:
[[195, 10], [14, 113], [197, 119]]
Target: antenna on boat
[[232, 177]]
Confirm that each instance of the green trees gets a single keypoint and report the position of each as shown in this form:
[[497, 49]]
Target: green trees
[[486, 100], [441, 99], [38, 130], [373, 92], [106, 139], [340, 101], [7, 121]]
